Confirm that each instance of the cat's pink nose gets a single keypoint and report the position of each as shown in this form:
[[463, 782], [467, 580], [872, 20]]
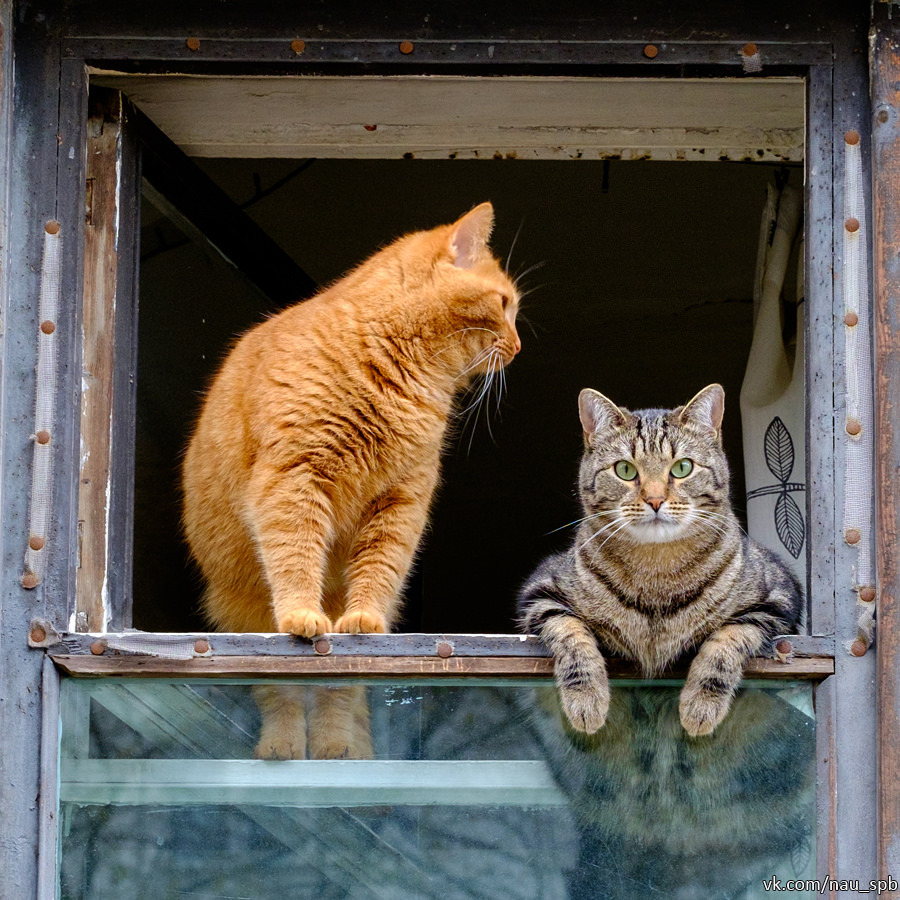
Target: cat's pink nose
[[655, 502], [518, 344]]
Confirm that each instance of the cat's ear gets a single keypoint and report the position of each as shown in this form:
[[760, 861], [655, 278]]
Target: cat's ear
[[706, 409], [598, 413], [470, 234]]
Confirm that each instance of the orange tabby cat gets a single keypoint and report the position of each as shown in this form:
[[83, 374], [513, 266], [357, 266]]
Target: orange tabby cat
[[309, 475]]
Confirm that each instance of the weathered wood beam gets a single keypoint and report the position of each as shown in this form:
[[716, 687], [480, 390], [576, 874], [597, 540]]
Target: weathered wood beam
[[212, 213], [388, 667]]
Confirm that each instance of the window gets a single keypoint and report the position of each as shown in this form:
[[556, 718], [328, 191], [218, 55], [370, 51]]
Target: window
[[638, 260], [476, 791], [107, 718]]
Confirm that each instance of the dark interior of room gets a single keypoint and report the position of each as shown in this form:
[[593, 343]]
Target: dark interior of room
[[638, 279]]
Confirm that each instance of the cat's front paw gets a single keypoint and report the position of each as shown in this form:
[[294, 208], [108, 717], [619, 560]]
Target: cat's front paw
[[701, 709], [361, 621], [586, 706], [353, 746], [304, 623], [282, 742]]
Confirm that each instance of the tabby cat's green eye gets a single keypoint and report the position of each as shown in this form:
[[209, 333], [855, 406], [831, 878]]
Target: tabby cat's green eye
[[682, 468], [626, 470]]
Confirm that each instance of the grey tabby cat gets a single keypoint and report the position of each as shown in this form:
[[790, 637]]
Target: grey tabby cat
[[659, 566]]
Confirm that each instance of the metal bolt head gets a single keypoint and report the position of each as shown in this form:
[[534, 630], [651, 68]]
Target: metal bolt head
[[651, 51], [322, 646], [48, 327], [298, 46], [867, 594], [406, 47], [784, 648], [852, 536], [750, 50], [35, 542], [882, 115], [851, 319], [444, 649], [42, 437], [201, 646], [38, 635], [854, 427], [852, 138], [852, 225], [30, 580], [98, 648], [52, 227], [858, 647], [193, 43]]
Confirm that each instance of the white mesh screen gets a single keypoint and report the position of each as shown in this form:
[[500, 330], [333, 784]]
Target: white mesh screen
[[858, 477], [167, 646], [42, 470]]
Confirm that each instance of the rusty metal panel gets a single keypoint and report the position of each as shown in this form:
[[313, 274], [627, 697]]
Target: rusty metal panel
[[885, 75], [853, 709], [34, 162]]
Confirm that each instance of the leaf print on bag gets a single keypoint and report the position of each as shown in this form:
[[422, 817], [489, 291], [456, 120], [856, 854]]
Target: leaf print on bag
[[778, 447]]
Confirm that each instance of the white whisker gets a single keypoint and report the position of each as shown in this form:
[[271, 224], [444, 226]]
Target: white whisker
[[620, 528], [482, 356], [492, 379], [463, 331], [622, 522], [512, 246], [529, 270], [597, 515], [719, 517]]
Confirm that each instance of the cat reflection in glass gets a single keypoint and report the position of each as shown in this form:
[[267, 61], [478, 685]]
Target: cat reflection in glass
[[660, 568]]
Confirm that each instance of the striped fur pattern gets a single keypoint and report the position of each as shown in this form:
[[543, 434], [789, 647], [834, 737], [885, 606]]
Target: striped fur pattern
[[659, 568], [310, 472]]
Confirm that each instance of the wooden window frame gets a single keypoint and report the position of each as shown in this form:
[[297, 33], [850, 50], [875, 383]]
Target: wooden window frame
[[51, 182]]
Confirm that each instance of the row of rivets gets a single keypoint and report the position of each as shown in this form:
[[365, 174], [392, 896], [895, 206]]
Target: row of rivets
[[35, 542], [323, 647], [854, 427], [851, 319], [52, 227], [651, 51], [99, 647], [297, 46]]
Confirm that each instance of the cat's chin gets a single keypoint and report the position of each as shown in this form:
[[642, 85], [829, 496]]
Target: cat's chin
[[656, 532]]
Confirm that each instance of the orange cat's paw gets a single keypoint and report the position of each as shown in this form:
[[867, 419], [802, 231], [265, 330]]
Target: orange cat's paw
[[341, 747], [280, 747], [282, 739], [304, 623], [361, 622]]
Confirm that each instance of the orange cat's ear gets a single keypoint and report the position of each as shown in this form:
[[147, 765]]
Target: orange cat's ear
[[470, 234], [598, 413], [706, 409]]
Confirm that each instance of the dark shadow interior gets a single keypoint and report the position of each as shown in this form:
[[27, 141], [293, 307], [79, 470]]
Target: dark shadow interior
[[639, 279]]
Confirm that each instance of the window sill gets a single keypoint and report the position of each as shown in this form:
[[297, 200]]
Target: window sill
[[214, 655]]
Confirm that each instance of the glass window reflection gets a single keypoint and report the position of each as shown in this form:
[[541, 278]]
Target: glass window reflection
[[472, 789]]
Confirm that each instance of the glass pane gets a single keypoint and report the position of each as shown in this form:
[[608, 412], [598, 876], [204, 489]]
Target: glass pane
[[472, 789]]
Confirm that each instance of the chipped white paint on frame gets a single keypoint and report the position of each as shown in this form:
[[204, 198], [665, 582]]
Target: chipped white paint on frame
[[473, 118]]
